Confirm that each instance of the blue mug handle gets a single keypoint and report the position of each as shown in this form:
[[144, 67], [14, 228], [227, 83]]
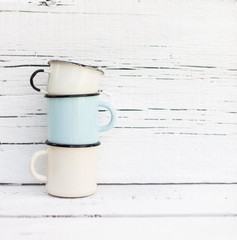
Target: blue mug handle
[[112, 115]]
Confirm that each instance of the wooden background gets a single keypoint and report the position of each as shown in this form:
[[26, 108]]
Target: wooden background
[[170, 68]]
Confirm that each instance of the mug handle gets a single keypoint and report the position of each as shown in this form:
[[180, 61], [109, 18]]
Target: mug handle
[[32, 81], [32, 165], [112, 116]]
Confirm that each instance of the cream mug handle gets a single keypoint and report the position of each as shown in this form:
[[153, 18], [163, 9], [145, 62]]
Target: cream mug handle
[[32, 80], [32, 165]]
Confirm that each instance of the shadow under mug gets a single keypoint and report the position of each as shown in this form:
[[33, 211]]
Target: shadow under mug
[[71, 171], [74, 119], [69, 78]]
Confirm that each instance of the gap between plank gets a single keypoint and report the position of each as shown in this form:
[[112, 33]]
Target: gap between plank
[[121, 216], [127, 184]]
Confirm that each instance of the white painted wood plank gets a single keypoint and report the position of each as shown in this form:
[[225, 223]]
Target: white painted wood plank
[[119, 228], [162, 159], [122, 200], [118, 7], [175, 62]]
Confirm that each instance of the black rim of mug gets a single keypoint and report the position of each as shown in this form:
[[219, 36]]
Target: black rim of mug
[[72, 145], [71, 95]]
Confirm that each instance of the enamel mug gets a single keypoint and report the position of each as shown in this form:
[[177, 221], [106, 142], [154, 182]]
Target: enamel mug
[[74, 119], [69, 78], [71, 171]]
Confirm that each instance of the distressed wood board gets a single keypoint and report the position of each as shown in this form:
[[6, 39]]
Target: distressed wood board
[[170, 68], [122, 211], [122, 201], [119, 228]]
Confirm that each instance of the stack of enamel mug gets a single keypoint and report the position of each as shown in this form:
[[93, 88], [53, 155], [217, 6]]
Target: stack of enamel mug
[[73, 130]]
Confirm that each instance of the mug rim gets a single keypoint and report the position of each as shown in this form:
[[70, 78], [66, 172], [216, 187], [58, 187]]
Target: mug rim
[[71, 95], [78, 64], [72, 145]]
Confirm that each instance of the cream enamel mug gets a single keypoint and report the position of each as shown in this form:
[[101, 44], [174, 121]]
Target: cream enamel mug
[[69, 78], [71, 171]]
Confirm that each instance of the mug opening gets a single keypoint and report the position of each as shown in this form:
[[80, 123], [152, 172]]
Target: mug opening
[[78, 64]]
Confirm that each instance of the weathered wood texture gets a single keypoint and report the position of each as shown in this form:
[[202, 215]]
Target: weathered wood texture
[[119, 228], [171, 69], [122, 201], [116, 212]]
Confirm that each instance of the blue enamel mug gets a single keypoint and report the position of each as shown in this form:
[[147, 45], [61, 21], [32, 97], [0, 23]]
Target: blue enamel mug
[[73, 119]]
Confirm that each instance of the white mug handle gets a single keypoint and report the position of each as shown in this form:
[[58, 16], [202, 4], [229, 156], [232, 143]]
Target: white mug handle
[[32, 165]]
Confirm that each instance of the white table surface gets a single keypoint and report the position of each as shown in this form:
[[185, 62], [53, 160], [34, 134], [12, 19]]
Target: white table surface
[[121, 211]]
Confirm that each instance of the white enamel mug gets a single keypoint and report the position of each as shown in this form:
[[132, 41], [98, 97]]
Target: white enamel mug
[[71, 171], [69, 78]]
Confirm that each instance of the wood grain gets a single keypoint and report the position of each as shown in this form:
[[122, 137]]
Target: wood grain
[[119, 228], [171, 71], [122, 201]]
